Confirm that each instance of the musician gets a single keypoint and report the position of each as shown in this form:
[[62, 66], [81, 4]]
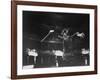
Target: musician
[[66, 38], [32, 54], [59, 57], [85, 54]]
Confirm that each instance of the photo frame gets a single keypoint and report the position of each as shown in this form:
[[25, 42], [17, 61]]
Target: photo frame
[[38, 46]]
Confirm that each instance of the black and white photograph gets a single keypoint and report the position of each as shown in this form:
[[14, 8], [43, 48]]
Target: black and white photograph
[[52, 39]]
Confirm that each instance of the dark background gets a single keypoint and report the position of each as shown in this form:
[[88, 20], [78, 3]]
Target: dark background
[[36, 26]]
